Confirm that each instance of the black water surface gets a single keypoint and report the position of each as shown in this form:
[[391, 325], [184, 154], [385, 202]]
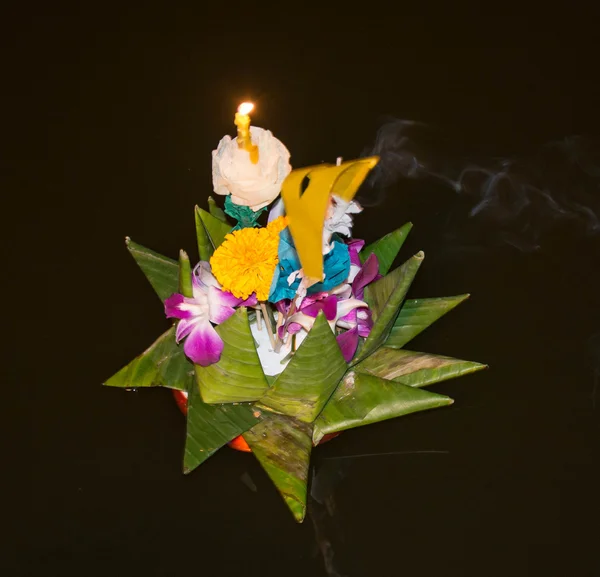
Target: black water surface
[[113, 115]]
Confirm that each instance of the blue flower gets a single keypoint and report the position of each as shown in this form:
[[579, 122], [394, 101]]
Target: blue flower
[[336, 265]]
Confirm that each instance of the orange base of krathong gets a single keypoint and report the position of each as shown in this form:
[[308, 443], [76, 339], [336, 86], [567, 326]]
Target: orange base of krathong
[[239, 444]]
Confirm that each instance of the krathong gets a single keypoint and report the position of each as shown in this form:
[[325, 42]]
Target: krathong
[[288, 332]]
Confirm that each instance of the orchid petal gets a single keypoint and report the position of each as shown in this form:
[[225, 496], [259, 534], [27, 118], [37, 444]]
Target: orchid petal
[[303, 320], [354, 247], [366, 275], [283, 306], [293, 328], [219, 305], [203, 277], [348, 342], [223, 298], [364, 330], [179, 307], [185, 327], [345, 306], [250, 301], [343, 291], [354, 270], [349, 318], [203, 345], [330, 305]]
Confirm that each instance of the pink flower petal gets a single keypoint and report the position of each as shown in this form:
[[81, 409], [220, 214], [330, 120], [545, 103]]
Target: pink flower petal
[[203, 345], [347, 305], [303, 320], [348, 343], [293, 328], [184, 327], [179, 307], [250, 301], [327, 305], [354, 247], [366, 275], [220, 305]]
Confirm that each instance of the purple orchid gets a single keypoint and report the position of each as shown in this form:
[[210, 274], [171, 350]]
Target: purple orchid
[[361, 320], [343, 306], [210, 304], [334, 308]]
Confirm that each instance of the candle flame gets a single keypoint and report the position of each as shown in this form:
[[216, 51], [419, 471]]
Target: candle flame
[[245, 108]]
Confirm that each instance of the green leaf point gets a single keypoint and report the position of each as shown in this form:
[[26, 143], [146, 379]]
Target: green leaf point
[[238, 377], [185, 275], [161, 271], [215, 210]]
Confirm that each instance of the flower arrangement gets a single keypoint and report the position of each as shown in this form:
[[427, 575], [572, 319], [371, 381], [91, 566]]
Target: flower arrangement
[[288, 332]]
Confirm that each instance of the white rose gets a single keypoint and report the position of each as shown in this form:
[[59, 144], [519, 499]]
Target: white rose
[[253, 185]]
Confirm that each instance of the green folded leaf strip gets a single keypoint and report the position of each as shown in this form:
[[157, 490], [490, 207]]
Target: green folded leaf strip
[[238, 376], [163, 364], [418, 314], [185, 275], [161, 271], [205, 247], [305, 385], [362, 399], [209, 427], [282, 446], [387, 247], [216, 211], [415, 369], [214, 229], [385, 297]]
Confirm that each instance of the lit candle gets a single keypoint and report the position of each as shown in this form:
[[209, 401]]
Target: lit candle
[[242, 121]]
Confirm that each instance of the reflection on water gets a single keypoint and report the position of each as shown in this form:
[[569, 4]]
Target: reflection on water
[[327, 475]]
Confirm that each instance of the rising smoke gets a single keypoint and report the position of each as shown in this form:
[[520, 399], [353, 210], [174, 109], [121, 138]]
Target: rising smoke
[[520, 200]]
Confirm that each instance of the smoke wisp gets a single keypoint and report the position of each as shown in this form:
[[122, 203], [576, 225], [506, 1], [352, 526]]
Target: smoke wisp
[[520, 199]]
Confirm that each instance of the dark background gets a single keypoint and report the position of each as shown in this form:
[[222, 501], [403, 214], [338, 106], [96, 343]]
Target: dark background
[[113, 113]]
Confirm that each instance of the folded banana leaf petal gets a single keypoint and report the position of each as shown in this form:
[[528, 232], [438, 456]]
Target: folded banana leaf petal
[[238, 376], [209, 427], [217, 211], [310, 378], [163, 364], [385, 297], [210, 232], [161, 271], [362, 399], [282, 446], [418, 314], [415, 369], [386, 248]]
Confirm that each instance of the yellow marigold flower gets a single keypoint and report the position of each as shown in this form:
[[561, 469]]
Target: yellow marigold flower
[[246, 260]]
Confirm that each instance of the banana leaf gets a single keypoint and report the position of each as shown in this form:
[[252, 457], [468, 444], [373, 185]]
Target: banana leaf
[[385, 297], [161, 271], [418, 314], [209, 427], [282, 446], [163, 364], [216, 210], [238, 376], [386, 248], [210, 232], [362, 399], [305, 385], [415, 369], [185, 275]]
